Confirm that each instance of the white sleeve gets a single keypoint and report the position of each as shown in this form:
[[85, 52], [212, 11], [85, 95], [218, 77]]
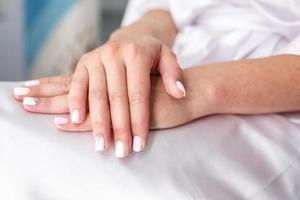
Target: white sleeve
[[293, 47], [137, 8], [183, 12]]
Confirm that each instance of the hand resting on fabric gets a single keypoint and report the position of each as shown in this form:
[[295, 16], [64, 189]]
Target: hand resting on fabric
[[253, 86], [51, 96], [114, 82]]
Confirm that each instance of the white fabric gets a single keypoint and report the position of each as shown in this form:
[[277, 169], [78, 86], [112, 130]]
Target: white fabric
[[221, 30], [220, 157]]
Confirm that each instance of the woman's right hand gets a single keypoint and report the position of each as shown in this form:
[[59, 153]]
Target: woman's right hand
[[114, 80]]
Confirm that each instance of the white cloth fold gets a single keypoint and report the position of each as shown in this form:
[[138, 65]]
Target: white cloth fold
[[222, 30], [219, 157]]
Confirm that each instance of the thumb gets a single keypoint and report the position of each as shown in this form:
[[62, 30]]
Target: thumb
[[171, 73]]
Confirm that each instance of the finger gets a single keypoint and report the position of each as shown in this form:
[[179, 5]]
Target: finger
[[138, 83], [63, 123], [98, 104], [43, 90], [118, 99], [47, 87], [51, 105], [45, 80], [171, 73], [78, 92]]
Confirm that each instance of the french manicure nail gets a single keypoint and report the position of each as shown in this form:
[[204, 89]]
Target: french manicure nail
[[120, 149], [29, 101], [32, 83], [99, 143], [21, 91], [181, 87], [137, 144], [61, 120], [75, 116]]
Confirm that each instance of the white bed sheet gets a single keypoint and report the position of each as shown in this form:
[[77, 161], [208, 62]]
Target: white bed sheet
[[223, 157]]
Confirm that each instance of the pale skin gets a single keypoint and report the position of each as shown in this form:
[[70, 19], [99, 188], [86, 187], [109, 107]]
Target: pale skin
[[255, 86]]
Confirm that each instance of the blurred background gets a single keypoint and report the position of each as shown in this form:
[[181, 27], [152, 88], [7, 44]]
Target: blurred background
[[47, 37]]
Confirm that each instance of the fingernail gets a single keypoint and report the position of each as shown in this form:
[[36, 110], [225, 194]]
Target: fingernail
[[29, 101], [61, 120], [99, 143], [137, 144], [32, 83], [120, 149], [181, 87], [21, 91], [75, 116]]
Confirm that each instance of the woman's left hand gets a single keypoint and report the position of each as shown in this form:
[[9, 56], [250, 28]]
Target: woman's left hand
[[51, 96]]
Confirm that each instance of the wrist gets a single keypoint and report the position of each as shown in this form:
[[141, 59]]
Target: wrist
[[202, 92], [165, 30], [136, 29]]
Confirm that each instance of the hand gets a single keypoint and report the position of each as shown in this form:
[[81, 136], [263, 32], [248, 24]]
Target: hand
[[165, 111], [115, 80], [51, 96]]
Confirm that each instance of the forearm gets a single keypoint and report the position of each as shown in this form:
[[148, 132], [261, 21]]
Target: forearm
[[255, 86], [157, 23]]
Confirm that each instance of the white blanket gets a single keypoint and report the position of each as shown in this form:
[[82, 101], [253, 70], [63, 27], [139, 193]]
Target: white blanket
[[223, 157]]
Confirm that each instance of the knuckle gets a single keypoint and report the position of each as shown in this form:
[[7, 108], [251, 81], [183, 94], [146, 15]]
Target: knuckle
[[110, 50], [66, 81], [136, 50], [69, 78], [116, 97], [84, 57], [35, 90], [74, 99], [84, 60], [95, 54], [48, 103], [97, 94], [77, 80], [137, 98], [46, 80]]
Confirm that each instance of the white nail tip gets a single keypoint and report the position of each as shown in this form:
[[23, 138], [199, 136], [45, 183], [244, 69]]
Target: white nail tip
[[61, 120], [21, 91], [75, 116], [137, 144], [181, 87], [29, 101], [32, 83], [99, 143], [120, 149]]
